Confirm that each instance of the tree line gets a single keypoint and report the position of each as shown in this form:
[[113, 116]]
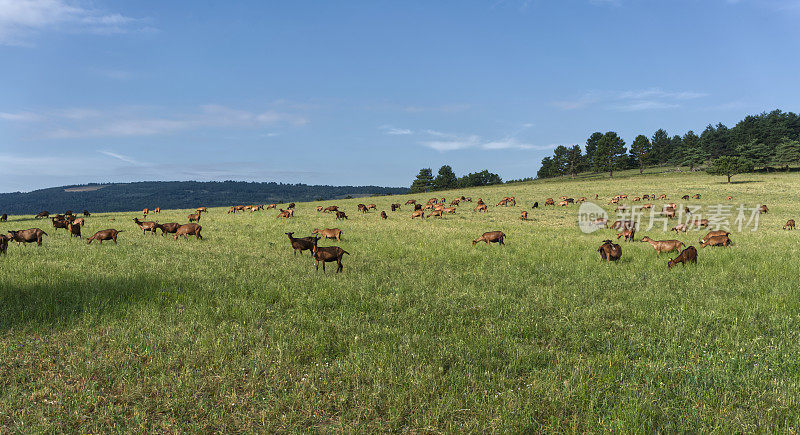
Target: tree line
[[447, 179], [758, 141]]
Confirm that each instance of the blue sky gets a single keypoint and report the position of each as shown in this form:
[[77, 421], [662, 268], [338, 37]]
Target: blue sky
[[368, 92]]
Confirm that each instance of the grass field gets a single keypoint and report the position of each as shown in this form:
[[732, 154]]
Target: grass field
[[421, 332]]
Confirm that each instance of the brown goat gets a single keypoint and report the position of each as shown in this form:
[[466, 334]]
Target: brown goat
[[329, 233], [449, 210], [284, 214], [194, 217], [610, 251], [157, 210], [331, 208], [74, 230], [481, 207], [146, 211], [169, 227], [319, 208], [789, 224], [523, 215], [110, 234], [717, 241], [303, 244], [42, 214], [618, 225], [4, 218], [60, 223], [680, 227], [329, 254], [696, 196], [187, 230], [86, 213], [763, 209], [383, 215], [4, 243], [664, 245], [491, 237], [340, 215], [436, 213], [411, 201], [202, 210], [549, 201], [418, 214], [714, 234], [27, 236], [271, 206], [145, 226], [688, 255], [628, 233], [362, 208], [372, 207], [78, 221], [395, 207]]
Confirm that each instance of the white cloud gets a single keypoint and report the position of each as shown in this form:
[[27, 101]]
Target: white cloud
[[147, 121], [20, 19], [631, 100], [394, 131], [452, 142], [122, 157]]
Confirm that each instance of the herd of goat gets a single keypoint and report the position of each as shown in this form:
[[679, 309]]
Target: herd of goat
[[609, 251]]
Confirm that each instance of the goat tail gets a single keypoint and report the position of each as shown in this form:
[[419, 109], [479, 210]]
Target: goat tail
[[345, 252], [45, 233]]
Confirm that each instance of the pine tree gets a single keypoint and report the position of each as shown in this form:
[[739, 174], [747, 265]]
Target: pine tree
[[446, 179], [788, 152], [730, 166], [574, 161], [591, 148], [661, 147], [610, 153], [641, 150], [423, 182], [692, 153]]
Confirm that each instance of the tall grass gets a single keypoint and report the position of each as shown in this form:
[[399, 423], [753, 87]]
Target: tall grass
[[421, 332]]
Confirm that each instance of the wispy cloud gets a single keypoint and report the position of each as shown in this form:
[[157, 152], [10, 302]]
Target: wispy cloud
[[21, 19], [121, 157], [443, 142], [138, 121], [394, 131], [631, 100]]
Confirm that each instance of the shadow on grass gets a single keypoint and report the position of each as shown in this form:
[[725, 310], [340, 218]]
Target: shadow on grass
[[742, 182], [46, 305]]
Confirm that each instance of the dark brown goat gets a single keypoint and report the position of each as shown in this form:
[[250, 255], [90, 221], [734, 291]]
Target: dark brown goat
[[714, 234], [194, 217], [74, 230], [383, 215], [789, 224], [169, 227], [688, 255], [340, 215], [628, 233], [146, 226], [4, 243], [332, 208], [395, 207], [110, 234], [4, 218], [187, 230], [86, 213], [42, 214], [60, 223], [303, 244], [330, 254], [27, 236], [491, 237], [763, 209], [610, 251], [411, 201]]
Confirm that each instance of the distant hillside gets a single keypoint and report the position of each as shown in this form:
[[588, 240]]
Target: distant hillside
[[175, 194]]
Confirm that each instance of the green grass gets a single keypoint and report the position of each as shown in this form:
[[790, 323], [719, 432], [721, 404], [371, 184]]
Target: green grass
[[422, 331]]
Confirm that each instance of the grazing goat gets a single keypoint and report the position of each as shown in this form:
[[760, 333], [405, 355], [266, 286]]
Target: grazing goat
[[435, 213], [628, 233], [4, 218], [717, 241], [329, 233], [685, 197], [4, 243], [329, 254], [680, 227], [42, 214], [411, 201], [418, 214], [146, 211], [271, 206], [284, 214], [86, 213], [688, 255], [549, 201], [146, 226], [169, 227], [789, 224], [187, 230], [331, 208], [618, 225], [372, 207], [535, 205], [362, 208], [480, 207], [303, 244], [523, 215], [664, 245], [696, 196], [27, 236], [383, 215], [157, 210], [319, 208], [449, 210], [60, 223], [562, 204], [340, 215], [291, 205], [609, 251], [201, 210], [194, 217], [110, 234], [395, 207], [763, 209], [711, 234], [74, 230], [491, 237]]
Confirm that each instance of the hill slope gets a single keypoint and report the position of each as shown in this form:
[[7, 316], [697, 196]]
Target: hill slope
[[174, 194], [422, 332]]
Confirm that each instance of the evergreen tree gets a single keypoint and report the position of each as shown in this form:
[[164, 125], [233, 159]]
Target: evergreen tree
[[423, 182], [675, 147], [640, 151], [591, 148], [574, 161], [560, 155], [757, 152], [446, 179], [610, 153], [546, 170], [788, 152], [692, 153], [661, 146], [716, 141], [730, 166]]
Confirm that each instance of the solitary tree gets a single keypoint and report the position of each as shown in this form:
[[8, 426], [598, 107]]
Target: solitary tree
[[730, 166], [423, 182], [610, 153], [641, 150], [446, 178], [788, 152]]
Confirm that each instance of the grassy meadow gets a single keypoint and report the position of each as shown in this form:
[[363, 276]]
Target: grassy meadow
[[422, 332]]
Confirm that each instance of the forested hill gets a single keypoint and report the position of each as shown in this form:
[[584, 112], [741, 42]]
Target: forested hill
[[174, 194]]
